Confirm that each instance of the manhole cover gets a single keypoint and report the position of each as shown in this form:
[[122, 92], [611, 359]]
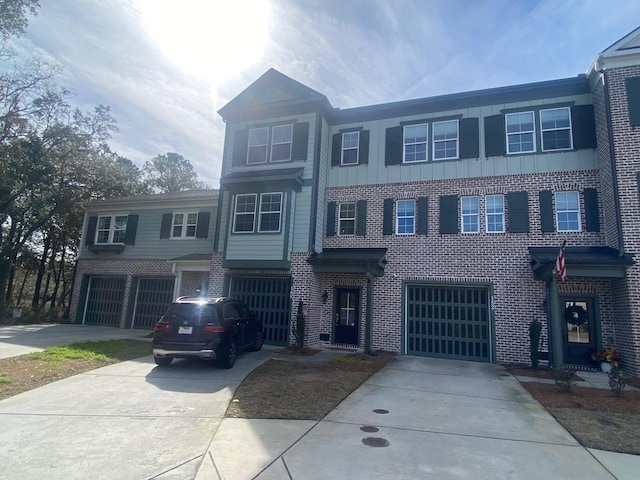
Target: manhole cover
[[375, 442], [369, 429], [381, 411]]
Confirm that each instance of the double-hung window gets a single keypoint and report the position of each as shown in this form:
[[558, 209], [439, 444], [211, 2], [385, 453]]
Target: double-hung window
[[568, 211], [270, 212], [415, 143], [347, 219], [494, 211], [470, 210], [445, 140], [184, 225], [350, 148], [405, 217], [555, 125], [245, 213], [258, 145], [521, 132], [282, 136], [111, 229]]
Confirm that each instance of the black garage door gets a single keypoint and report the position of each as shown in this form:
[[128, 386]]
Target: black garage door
[[448, 321], [104, 301], [269, 298], [153, 297]]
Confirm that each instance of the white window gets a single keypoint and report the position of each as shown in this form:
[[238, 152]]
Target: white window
[[184, 225], [568, 211], [245, 213], [494, 211], [111, 229], [555, 125], [405, 217], [415, 143], [470, 209], [258, 145], [521, 132], [350, 148], [347, 219], [270, 212], [445, 140], [282, 136]]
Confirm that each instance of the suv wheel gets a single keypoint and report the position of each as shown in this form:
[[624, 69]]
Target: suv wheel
[[257, 345], [163, 361], [228, 359]]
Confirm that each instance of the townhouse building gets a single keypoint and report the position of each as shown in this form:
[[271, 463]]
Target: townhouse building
[[430, 226]]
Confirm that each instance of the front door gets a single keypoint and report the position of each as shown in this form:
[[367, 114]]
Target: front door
[[347, 316], [578, 320]]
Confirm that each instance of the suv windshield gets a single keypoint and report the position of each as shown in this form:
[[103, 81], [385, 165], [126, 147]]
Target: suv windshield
[[203, 313]]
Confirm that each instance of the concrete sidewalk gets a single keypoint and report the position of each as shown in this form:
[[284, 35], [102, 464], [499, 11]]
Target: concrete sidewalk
[[416, 418]]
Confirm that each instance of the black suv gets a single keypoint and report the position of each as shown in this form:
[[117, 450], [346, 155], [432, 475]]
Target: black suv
[[208, 328]]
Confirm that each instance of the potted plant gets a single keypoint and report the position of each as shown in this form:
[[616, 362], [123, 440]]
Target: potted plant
[[608, 357]]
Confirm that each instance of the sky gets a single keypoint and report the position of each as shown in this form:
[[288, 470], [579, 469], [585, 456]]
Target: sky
[[165, 67]]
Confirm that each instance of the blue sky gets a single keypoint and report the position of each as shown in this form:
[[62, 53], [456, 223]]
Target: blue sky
[[166, 66]]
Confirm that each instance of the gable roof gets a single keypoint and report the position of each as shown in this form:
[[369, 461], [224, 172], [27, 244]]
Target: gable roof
[[624, 52], [270, 89]]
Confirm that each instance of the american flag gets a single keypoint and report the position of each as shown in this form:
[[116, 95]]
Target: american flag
[[560, 268]]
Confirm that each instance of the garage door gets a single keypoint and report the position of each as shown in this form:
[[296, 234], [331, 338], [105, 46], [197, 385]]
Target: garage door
[[104, 301], [269, 298], [153, 297], [448, 321]]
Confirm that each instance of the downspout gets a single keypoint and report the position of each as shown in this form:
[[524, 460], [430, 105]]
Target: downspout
[[368, 325], [612, 156]]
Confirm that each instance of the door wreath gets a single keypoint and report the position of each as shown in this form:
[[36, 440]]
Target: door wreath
[[576, 315]]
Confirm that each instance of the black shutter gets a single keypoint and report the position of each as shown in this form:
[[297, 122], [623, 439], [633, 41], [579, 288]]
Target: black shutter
[[583, 125], [518, 211], [494, 136], [387, 216], [165, 227], [336, 150], [393, 146], [91, 231], [361, 218], [469, 138], [633, 97], [547, 223], [448, 214], [423, 216], [132, 229], [364, 147], [591, 213], [240, 148], [331, 219], [300, 144], [202, 227]]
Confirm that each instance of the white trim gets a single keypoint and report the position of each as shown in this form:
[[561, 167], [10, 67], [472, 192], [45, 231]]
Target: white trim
[[279, 212], [445, 140], [258, 145], [405, 144], [577, 212], [274, 143], [398, 217], [557, 129], [522, 132], [463, 215], [486, 214], [235, 211], [356, 148], [347, 219]]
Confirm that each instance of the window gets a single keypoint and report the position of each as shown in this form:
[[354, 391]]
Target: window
[[281, 143], [270, 212], [347, 219], [350, 148], [405, 217], [445, 140], [568, 211], [245, 213], [470, 209], [415, 143], [555, 125], [111, 229], [184, 225], [494, 211], [258, 145], [520, 132]]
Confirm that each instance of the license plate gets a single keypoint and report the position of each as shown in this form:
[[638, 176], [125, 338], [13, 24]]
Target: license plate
[[185, 330]]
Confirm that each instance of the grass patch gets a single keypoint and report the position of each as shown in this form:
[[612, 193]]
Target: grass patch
[[5, 380], [350, 361]]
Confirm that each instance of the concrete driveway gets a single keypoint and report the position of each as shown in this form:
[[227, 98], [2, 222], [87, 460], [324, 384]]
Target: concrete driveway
[[131, 420]]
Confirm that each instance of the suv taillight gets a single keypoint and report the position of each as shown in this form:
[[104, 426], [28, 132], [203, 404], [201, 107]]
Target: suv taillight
[[158, 327], [214, 328]]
